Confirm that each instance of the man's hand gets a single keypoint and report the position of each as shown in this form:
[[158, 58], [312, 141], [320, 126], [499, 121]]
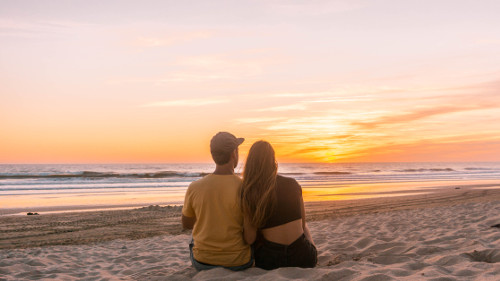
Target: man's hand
[[188, 222]]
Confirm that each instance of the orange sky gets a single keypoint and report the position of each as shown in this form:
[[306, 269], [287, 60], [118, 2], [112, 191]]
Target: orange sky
[[323, 81]]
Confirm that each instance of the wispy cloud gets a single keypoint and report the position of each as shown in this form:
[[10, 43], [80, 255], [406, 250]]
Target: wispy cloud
[[314, 8], [186, 103], [308, 150], [258, 120], [417, 115], [300, 94], [207, 68], [314, 100], [218, 67], [309, 124], [342, 99], [171, 38], [193, 76], [39, 29], [297, 106], [456, 149]]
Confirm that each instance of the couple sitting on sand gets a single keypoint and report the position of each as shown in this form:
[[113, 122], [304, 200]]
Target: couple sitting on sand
[[236, 222]]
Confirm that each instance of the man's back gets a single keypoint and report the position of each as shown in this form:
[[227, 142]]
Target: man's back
[[217, 233]]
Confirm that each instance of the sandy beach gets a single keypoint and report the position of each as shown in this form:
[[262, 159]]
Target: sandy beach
[[443, 235]]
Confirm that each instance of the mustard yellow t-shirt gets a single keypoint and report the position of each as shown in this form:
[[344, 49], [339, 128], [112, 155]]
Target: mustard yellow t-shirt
[[218, 230]]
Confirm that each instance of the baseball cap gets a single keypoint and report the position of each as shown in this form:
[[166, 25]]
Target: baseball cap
[[225, 142]]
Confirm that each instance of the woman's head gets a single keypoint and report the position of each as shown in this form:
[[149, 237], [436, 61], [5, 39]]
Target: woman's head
[[259, 181], [261, 160]]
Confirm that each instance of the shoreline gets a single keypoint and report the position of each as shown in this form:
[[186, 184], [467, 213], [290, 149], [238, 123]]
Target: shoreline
[[53, 210], [312, 193]]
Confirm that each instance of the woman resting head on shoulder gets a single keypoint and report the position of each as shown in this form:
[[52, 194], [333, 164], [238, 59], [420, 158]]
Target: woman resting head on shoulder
[[273, 206]]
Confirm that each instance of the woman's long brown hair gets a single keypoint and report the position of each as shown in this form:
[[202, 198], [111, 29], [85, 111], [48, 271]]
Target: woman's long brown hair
[[258, 194]]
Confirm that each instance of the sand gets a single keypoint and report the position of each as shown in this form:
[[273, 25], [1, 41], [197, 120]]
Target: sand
[[445, 235]]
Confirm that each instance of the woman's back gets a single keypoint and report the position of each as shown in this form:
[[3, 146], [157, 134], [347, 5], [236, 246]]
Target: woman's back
[[284, 224], [286, 240]]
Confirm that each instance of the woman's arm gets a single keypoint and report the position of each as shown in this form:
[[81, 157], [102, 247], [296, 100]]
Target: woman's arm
[[304, 225], [249, 231]]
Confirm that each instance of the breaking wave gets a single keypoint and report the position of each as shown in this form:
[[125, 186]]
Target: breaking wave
[[94, 175], [426, 170], [332, 173]]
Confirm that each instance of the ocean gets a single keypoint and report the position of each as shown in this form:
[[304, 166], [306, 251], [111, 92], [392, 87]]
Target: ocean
[[63, 187]]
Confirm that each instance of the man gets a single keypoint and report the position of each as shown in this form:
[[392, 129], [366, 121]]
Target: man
[[212, 210]]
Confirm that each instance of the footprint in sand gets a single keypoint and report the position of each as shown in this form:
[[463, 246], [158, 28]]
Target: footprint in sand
[[488, 256]]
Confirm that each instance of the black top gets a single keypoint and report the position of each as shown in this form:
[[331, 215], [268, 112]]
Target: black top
[[288, 205]]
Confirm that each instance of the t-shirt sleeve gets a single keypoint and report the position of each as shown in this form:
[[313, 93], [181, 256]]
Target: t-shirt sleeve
[[187, 208]]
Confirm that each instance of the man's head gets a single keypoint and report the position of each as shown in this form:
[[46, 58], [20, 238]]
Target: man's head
[[223, 145]]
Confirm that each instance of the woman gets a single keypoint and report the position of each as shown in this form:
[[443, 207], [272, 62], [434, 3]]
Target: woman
[[273, 207]]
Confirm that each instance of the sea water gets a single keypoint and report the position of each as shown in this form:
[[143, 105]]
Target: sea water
[[89, 186]]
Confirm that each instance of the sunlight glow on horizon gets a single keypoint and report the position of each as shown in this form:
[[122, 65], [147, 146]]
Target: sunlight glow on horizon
[[322, 81]]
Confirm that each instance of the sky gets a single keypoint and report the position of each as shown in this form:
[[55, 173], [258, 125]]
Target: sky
[[322, 81]]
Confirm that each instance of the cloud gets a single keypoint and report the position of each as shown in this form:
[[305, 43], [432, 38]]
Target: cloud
[[39, 29], [207, 68], [171, 39], [314, 8], [259, 120], [186, 76], [315, 100], [468, 149], [309, 124], [298, 95], [298, 106], [339, 99], [339, 95], [186, 103], [220, 66], [417, 115], [308, 150]]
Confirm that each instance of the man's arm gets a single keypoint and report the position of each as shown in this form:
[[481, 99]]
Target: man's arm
[[188, 222]]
